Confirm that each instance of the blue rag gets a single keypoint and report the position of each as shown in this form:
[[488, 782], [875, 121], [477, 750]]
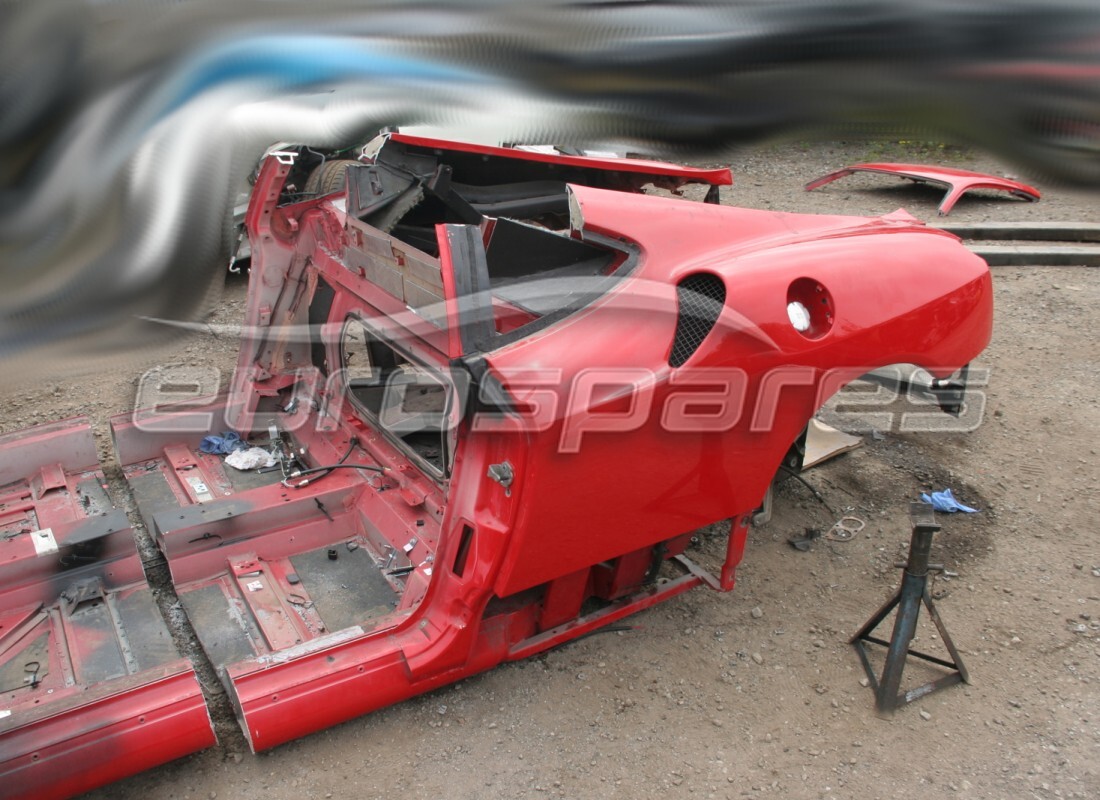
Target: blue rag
[[945, 501], [222, 445]]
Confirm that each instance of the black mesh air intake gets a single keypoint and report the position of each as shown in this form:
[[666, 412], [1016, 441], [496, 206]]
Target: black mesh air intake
[[701, 299]]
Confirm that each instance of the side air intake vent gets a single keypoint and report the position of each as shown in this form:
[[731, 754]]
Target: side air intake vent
[[701, 299]]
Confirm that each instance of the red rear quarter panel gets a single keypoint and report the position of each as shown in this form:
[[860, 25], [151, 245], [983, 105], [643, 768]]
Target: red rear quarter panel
[[901, 293]]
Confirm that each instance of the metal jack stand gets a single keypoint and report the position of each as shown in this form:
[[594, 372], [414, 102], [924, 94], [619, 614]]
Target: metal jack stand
[[914, 591]]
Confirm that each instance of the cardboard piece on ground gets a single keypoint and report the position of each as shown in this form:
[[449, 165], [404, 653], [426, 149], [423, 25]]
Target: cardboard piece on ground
[[824, 442]]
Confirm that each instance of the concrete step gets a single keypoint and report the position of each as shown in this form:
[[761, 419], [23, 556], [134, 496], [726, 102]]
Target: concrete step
[[1043, 255], [1025, 231]]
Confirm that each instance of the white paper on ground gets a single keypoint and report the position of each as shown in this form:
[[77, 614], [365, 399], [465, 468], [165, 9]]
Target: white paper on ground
[[824, 442], [252, 458]]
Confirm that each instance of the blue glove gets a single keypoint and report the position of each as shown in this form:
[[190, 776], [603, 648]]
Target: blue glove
[[221, 445], [945, 501]]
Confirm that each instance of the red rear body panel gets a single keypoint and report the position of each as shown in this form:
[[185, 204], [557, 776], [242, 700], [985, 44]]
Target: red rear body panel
[[719, 176], [957, 181]]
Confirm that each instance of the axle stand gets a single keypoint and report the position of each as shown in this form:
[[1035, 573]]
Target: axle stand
[[913, 592]]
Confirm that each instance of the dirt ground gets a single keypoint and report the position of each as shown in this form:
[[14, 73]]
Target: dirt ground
[[757, 693]]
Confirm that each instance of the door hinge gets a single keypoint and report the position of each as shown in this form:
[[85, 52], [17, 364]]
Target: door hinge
[[503, 474]]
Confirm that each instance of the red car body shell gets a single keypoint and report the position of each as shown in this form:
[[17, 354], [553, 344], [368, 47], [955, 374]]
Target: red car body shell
[[571, 490]]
